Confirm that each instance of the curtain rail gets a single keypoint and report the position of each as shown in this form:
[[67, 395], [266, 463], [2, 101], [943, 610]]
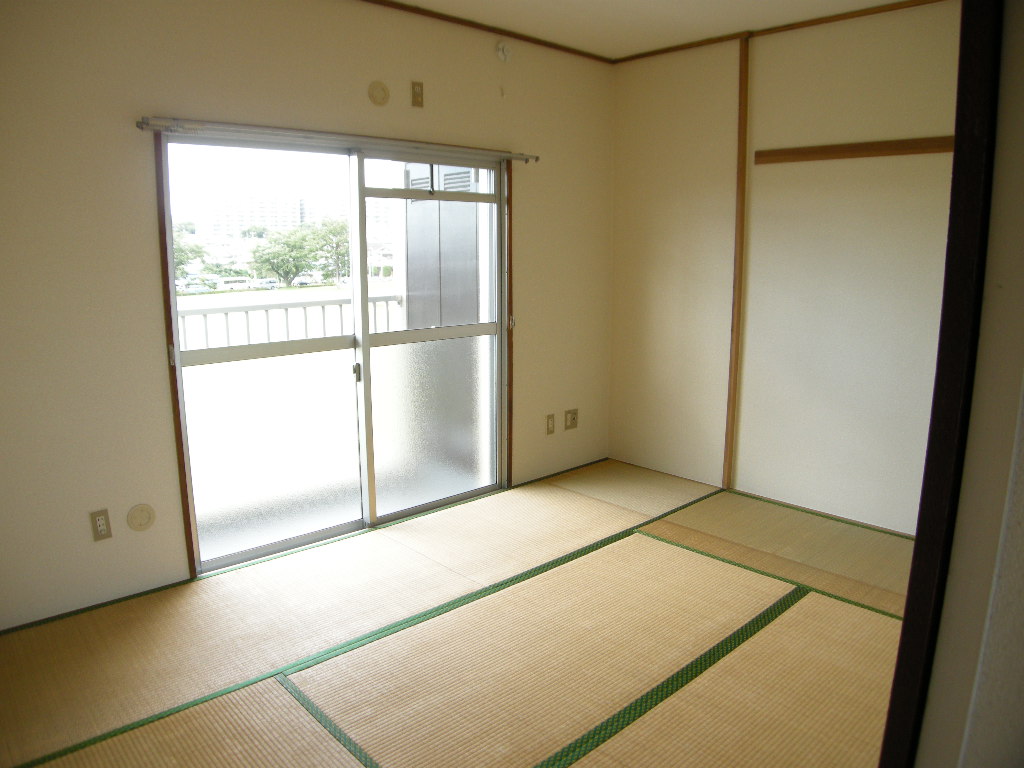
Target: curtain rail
[[349, 143]]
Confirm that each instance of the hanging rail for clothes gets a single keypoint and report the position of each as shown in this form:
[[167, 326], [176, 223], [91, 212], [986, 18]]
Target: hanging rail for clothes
[[334, 142]]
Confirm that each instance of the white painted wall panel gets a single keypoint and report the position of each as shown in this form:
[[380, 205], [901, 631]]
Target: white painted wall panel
[[675, 176], [887, 76], [845, 264]]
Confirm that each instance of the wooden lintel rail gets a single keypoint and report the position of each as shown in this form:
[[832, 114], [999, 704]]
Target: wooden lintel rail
[[923, 146]]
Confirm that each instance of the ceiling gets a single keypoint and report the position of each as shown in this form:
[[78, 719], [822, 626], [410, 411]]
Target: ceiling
[[615, 29]]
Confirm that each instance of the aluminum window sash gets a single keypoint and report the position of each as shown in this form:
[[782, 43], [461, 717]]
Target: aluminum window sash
[[422, 194], [330, 343], [268, 349], [443, 333], [361, 320]]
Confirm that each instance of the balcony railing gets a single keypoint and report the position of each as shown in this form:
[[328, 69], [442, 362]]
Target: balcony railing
[[228, 326]]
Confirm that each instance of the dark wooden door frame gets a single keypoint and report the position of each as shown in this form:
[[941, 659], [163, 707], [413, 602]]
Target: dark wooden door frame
[[967, 244]]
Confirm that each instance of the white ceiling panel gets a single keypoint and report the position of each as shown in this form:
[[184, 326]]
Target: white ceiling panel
[[619, 28]]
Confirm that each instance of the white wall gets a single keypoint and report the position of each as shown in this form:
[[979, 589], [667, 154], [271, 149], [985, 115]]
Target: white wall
[[86, 417], [992, 737], [675, 201], [982, 585], [844, 288]]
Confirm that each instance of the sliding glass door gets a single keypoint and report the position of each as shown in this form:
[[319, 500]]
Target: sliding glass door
[[434, 382], [338, 337]]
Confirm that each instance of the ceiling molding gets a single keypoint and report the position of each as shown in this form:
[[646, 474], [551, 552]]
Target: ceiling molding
[[487, 28], [888, 7], [500, 31], [687, 46]]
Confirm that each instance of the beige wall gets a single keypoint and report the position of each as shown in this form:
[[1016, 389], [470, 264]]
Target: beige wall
[[887, 76], [982, 608], [844, 262], [86, 417], [675, 203]]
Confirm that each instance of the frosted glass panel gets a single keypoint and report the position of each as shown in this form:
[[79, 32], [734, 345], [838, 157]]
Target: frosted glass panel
[[434, 419], [273, 448]]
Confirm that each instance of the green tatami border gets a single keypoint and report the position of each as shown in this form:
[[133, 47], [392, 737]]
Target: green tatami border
[[471, 597], [367, 637], [329, 725], [562, 472], [833, 518], [458, 602], [770, 575], [672, 684]]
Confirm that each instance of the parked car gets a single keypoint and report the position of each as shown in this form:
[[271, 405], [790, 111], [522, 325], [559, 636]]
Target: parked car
[[234, 284], [266, 283], [194, 287]]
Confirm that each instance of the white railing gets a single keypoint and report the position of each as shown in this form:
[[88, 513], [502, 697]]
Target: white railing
[[210, 327]]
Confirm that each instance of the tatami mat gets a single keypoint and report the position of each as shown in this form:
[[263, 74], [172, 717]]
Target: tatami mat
[[510, 678], [821, 580], [643, 490], [180, 644], [507, 679], [862, 554], [499, 536], [810, 689], [69, 680], [261, 726]]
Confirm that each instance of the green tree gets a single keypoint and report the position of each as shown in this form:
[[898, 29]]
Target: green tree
[[329, 241], [185, 252], [255, 231], [286, 254], [227, 270]]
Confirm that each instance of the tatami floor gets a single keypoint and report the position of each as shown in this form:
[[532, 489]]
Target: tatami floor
[[610, 616]]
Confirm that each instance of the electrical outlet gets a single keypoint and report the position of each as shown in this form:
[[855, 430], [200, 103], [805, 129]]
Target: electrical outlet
[[572, 418], [100, 523], [551, 423], [417, 93]]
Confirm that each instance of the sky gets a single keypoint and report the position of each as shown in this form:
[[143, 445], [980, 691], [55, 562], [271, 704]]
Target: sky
[[202, 176]]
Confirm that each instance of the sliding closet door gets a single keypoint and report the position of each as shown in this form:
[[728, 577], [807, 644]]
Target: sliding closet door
[[845, 258], [844, 278]]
